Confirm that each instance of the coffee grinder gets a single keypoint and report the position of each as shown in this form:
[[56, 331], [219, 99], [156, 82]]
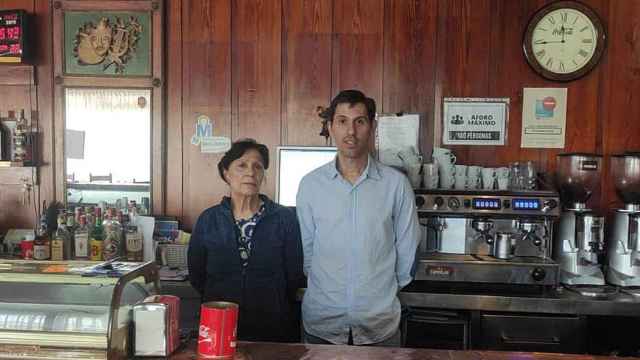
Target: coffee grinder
[[580, 236], [624, 244]]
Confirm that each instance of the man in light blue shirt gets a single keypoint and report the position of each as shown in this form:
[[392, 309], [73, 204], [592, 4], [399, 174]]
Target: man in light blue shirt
[[360, 233]]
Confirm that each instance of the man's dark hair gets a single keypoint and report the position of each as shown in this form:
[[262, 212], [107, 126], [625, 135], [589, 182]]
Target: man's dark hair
[[350, 97], [238, 149]]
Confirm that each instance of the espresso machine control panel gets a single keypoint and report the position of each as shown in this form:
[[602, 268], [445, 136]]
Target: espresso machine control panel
[[489, 203]]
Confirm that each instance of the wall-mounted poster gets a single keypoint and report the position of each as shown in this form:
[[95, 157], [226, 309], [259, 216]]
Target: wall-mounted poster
[[107, 43], [544, 112], [475, 121]]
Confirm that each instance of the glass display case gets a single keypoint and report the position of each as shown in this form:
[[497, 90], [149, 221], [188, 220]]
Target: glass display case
[[71, 309]]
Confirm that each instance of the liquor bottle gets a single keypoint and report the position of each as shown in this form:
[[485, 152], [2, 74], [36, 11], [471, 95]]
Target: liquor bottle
[[134, 244], [112, 236], [42, 243], [91, 219], [10, 124], [96, 239], [81, 239], [58, 242], [20, 139], [28, 139]]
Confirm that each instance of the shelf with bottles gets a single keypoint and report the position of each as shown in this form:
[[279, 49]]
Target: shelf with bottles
[[17, 141]]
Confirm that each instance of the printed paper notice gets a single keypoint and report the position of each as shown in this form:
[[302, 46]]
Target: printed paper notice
[[397, 133], [544, 113]]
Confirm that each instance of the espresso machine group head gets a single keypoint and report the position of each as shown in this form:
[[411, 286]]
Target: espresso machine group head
[[580, 236], [624, 244]]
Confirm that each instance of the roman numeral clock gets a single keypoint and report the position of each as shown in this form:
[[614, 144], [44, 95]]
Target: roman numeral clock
[[564, 40]]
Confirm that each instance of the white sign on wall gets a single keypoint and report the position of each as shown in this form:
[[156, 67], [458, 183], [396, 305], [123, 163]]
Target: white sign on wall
[[475, 121], [544, 117]]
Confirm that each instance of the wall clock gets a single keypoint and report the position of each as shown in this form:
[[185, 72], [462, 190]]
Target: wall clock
[[564, 40]]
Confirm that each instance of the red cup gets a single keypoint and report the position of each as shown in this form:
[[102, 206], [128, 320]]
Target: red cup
[[218, 328], [26, 247]]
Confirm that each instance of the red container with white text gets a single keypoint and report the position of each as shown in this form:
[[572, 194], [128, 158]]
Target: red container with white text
[[218, 329]]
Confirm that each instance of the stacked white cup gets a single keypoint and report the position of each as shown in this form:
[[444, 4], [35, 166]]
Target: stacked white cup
[[502, 175], [473, 177], [488, 178], [430, 175], [412, 164], [460, 182], [446, 166]]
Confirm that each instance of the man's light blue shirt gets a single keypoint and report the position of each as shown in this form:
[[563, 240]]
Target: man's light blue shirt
[[359, 242]]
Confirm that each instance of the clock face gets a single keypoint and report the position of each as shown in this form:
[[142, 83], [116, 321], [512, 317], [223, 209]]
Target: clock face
[[564, 41]]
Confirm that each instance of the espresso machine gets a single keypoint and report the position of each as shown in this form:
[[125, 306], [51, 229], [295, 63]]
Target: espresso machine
[[475, 237], [580, 237], [624, 244]]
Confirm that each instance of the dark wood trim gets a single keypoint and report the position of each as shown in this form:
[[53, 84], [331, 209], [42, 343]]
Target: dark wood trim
[[158, 142], [106, 5], [174, 88], [155, 83]]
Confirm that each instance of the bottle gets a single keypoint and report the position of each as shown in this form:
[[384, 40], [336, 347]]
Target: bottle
[[134, 244], [95, 240], [28, 139], [20, 139], [58, 242], [42, 244], [40, 249], [81, 239], [112, 236]]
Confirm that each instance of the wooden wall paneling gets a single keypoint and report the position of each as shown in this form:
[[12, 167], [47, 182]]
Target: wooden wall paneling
[[206, 90], [620, 130], [463, 57], [358, 47], [43, 115], [257, 75], [158, 121], [409, 60], [306, 69], [175, 144]]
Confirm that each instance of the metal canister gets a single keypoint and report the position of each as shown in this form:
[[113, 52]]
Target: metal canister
[[218, 330], [503, 247]]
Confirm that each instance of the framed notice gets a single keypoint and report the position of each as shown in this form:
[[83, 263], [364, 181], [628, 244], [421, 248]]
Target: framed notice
[[396, 133], [544, 112], [475, 121]]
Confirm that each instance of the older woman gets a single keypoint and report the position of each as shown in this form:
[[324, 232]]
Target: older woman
[[247, 249]]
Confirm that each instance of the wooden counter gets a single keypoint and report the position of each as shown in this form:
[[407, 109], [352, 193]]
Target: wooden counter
[[270, 351]]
